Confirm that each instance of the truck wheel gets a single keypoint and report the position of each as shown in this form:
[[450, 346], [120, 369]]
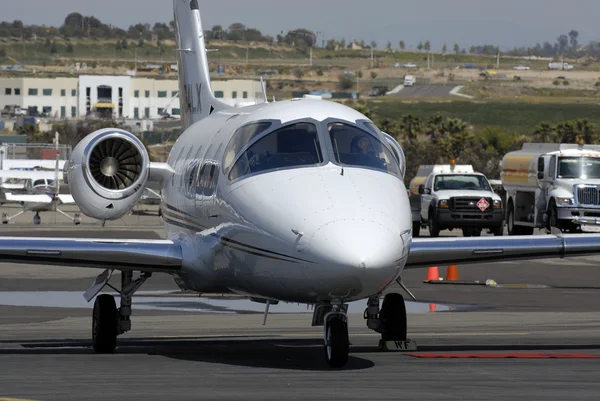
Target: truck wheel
[[467, 232], [552, 217], [416, 228], [434, 229], [510, 221]]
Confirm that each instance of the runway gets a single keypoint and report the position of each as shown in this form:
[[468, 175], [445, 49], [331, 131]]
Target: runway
[[495, 343]]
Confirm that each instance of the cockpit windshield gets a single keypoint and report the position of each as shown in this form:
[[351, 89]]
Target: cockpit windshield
[[463, 182], [355, 147], [294, 145], [578, 167]]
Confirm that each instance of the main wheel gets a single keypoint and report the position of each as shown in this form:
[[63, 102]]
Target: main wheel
[[393, 318], [105, 321], [337, 343], [512, 229], [552, 217]]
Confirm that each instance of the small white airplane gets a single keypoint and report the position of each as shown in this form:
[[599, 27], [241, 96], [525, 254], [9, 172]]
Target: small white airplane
[[297, 201], [42, 193]]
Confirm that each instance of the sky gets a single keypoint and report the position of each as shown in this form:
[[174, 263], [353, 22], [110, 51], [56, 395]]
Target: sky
[[505, 23]]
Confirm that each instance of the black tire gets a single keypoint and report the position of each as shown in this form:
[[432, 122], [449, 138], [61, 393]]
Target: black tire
[[393, 318], [552, 217], [516, 230], [337, 343], [105, 321], [434, 228], [416, 228], [510, 220], [467, 232]]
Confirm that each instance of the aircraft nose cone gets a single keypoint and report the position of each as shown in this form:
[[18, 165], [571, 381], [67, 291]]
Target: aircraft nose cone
[[358, 251]]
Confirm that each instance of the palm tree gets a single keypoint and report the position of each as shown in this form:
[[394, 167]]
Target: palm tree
[[410, 127]]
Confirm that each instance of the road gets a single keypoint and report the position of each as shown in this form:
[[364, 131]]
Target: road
[[426, 91], [488, 343]]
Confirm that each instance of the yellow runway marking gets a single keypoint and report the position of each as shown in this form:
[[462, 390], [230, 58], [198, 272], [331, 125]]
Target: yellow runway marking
[[13, 399]]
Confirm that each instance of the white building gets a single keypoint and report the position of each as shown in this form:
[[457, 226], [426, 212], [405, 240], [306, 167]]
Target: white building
[[121, 96]]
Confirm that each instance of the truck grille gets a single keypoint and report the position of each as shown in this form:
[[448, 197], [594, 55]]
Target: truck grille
[[469, 204], [588, 196]]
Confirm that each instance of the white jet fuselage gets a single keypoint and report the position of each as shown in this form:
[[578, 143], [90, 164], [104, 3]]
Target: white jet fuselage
[[301, 234]]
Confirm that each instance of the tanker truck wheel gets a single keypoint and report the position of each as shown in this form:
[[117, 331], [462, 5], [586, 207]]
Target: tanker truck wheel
[[552, 217]]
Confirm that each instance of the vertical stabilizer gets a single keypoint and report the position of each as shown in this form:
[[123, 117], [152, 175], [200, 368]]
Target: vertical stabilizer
[[195, 93]]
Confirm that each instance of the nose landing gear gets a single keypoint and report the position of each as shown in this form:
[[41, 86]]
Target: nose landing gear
[[337, 342]]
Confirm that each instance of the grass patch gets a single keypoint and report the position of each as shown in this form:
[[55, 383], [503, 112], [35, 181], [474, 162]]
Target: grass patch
[[517, 117]]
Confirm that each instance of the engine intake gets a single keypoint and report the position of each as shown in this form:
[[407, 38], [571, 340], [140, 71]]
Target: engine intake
[[107, 173], [115, 163]]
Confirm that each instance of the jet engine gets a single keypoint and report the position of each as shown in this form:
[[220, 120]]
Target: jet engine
[[107, 173]]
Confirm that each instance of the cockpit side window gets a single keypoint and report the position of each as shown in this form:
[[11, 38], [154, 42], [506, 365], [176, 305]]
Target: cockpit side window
[[241, 138], [294, 145], [356, 147]]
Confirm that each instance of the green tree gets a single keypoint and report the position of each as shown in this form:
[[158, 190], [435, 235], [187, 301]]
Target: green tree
[[427, 46], [420, 46], [402, 45], [70, 48], [2, 52], [444, 49], [53, 48], [345, 82], [374, 45], [456, 48], [388, 47], [374, 74], [298, 73]]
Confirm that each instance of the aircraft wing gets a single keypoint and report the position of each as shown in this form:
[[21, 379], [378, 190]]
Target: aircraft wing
[[126, 255], [29, 175], [66, 199], [38, 198], [425, 252]]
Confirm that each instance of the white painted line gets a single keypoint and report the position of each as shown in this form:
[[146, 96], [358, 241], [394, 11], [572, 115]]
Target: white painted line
[[454, 92]]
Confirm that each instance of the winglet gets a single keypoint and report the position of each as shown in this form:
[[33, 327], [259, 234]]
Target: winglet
[[196, 96]]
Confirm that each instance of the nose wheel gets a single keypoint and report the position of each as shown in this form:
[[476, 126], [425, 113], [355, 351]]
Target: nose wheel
[[337, 342]]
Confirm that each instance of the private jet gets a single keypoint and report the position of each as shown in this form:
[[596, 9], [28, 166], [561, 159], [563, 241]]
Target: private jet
[[297, 201]]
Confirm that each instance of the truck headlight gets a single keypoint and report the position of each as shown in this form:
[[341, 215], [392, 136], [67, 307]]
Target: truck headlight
[[497, 204], [443, 204], [565, 201]]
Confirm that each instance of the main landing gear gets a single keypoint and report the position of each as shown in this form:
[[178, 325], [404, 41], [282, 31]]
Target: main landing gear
[[108, 321], [390, 321]]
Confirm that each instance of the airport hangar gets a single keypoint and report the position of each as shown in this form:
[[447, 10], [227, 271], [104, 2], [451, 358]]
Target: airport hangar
[[122, 96]]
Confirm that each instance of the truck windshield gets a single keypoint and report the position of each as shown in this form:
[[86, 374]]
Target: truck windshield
[[464, 182], [578, 167]]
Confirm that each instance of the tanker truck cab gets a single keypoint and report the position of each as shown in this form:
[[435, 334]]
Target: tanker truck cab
[[553, 185], [458, 197]]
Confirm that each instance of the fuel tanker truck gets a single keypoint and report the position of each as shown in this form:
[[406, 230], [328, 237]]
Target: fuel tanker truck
[[552, 185]]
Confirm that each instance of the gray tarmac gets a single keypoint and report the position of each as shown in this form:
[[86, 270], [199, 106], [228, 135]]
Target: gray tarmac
[[426, 91], [495, 343]]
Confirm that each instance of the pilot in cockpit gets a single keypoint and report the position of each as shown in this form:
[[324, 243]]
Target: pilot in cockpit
[[360, 144]]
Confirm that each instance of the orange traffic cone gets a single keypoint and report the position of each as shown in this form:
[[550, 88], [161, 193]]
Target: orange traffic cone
[[452, 273], [432, 307], [433, 274]]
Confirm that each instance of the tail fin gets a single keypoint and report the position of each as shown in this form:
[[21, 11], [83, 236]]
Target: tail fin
[[195, 94]]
